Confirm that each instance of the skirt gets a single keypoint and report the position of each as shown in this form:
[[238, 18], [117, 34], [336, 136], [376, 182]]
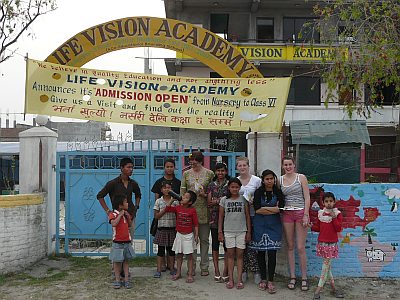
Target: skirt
[[121, 252], [184, 243], [327, 250], [165, 237]]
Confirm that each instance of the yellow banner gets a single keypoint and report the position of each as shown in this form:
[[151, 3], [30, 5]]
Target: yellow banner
[[156, 100], [283, 52]]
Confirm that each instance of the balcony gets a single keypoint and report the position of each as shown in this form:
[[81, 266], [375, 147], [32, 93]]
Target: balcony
[[387, 116]]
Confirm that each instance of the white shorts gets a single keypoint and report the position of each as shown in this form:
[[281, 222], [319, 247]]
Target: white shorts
[[235, 240], [184, 243]]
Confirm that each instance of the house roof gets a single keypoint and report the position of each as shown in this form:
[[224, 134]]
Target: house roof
[[320, 132]]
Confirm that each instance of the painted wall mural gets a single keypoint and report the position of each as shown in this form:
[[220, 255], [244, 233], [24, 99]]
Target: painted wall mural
[[368, 244]]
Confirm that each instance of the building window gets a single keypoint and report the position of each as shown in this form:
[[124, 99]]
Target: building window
[[346, 95], [344, 35], [265, 30], [389, 95], [300, 30], [219, 24], [305, 91]]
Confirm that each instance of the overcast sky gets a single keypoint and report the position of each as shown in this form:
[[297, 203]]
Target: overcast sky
[[53, 29]]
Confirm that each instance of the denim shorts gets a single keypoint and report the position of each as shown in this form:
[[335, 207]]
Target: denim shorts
[[121, 252]]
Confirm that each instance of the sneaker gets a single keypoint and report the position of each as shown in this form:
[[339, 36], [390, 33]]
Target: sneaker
[[244, 277], [172, 272], [157, 275], [257, 278]]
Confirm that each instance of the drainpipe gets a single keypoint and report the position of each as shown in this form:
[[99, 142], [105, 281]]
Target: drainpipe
[[255, 153]]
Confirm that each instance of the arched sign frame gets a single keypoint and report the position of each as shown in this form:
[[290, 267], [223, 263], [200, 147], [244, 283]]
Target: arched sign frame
[[131, 32]]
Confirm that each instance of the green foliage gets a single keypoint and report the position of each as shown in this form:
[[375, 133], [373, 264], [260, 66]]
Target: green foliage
[[15, 19], [367, 50]]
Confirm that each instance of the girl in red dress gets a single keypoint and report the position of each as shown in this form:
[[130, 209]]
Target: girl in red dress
[[329, 223]]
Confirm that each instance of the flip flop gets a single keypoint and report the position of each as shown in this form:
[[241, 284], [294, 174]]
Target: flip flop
[[240, 285], [175, 277], [204, 273], [271, 288], [189, 280], [229, 285]]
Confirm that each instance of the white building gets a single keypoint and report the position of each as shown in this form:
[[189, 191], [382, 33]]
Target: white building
[[267, 31]]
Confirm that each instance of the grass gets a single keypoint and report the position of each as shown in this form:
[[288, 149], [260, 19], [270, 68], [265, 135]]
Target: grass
[[76, 269]]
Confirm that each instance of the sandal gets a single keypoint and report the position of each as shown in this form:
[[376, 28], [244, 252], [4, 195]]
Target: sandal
[[217, 278], [317, 297], [337, 293], [127, 285], [172, 272], [229, 285], [224, 279], [204, 273], [240, 285], [292, 284], [157, 275], [304, 285], [116, 284], [262, 285], [271, 288], [189, 280], [175, 277]]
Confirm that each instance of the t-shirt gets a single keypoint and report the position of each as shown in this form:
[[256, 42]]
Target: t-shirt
[[121, 231], [234, 214], [248, 191], [117, 187], [168, 219], [186, 218], [175, 184]]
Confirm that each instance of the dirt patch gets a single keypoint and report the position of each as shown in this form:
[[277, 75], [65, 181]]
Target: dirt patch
[[84, 278]]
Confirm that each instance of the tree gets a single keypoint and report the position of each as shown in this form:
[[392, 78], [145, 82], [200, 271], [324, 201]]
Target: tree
[[370, 232], [366, 56], [16, 17]]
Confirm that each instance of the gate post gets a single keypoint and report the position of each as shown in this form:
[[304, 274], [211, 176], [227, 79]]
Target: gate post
[[37, 162], [267, 152]]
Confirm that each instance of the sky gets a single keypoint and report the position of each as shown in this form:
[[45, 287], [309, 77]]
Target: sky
[[53, 29]]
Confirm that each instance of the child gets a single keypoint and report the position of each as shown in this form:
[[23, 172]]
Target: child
[[121, 250], [234, 227], [329, 223], [215, 191], [185, 241], [267, 227], [165, 234]]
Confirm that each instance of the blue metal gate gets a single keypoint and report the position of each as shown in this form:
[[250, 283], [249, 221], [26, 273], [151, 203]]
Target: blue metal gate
[[81, 174]]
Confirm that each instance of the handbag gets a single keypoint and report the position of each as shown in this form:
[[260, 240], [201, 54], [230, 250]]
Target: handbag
[[153, 227]]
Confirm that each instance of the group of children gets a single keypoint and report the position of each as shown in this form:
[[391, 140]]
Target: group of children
[[230, 223]]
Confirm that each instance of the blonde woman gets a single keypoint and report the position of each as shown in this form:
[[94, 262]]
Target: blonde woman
[[249, 185]]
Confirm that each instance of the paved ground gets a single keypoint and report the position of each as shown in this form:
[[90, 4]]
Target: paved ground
[[83, 278]]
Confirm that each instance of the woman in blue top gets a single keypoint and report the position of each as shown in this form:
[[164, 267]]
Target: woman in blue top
[[267, 227]]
